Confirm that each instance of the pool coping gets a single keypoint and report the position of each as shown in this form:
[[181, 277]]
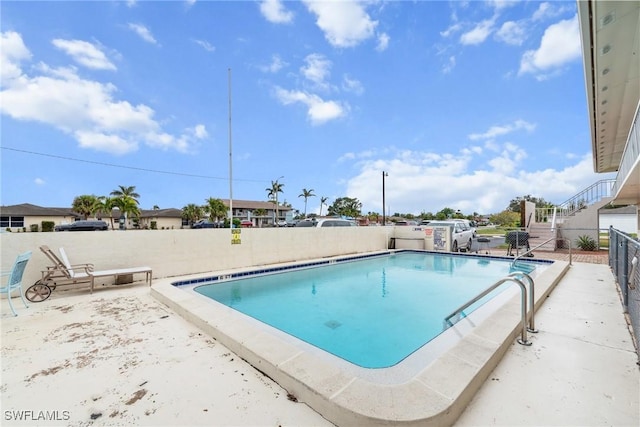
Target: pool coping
[[436, 395]]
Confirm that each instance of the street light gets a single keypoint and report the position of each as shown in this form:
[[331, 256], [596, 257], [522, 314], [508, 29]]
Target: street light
[[383, 201]]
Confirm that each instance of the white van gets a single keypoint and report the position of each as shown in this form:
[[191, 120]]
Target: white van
[[326, 222]]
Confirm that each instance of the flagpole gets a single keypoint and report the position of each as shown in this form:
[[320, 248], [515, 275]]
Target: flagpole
[[230, 160]]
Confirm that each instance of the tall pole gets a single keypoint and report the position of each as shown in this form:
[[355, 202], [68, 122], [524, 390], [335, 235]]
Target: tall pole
[[383, 201], [230, 160]]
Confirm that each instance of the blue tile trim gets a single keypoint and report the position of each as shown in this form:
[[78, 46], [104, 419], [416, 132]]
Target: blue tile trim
[[340, 260]]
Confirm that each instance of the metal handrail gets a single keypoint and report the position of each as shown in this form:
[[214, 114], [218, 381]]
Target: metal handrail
[[542, 244], [523, 336], [532, 299]]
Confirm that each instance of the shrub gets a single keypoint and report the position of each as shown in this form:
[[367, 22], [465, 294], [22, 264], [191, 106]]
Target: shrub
[[34, 228], [47, 226], [587, 243], [154, 225]]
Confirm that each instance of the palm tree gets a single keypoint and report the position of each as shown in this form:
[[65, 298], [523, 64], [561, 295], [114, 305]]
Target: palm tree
[[192, 213], [123, 191], [105, 206], [127, 206], [126, 199], [215, 208], [323, 201], [306, 194], [85, 205], [272, 193]]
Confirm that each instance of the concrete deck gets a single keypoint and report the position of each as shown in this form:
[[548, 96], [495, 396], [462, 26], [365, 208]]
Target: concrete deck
[[120, 357]]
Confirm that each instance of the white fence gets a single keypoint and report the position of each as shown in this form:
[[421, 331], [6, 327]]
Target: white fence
[[180, 252]]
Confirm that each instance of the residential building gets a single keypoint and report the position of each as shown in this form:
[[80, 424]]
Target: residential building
[[28, 217]]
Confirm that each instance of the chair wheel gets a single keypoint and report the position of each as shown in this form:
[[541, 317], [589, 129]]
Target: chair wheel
[[38, 292]]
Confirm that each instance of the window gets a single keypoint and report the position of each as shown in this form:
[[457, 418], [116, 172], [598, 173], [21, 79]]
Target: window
[[11, 221]]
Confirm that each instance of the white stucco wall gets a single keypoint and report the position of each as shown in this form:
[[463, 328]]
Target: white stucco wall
[[180, 252]]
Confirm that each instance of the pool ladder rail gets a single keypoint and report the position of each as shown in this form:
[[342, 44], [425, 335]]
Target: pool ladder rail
[[518, 278]]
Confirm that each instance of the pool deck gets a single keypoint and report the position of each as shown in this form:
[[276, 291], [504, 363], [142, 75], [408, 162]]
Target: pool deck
[[121, 357]]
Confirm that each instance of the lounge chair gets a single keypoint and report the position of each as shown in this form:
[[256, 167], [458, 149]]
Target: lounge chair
[[64, 273], [15, 279]]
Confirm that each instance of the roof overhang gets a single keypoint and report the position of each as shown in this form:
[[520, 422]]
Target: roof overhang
[[610, 33]]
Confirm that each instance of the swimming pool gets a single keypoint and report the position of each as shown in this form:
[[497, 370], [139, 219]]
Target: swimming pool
[[430, 387], [372, 312]]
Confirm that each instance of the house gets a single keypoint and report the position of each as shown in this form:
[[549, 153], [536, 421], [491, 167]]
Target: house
[[26, 217]]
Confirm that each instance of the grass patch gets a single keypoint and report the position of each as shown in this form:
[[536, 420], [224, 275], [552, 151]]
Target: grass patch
[[490, 231]]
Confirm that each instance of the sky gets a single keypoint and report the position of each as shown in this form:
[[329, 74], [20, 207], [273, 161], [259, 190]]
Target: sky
[[458, 104]]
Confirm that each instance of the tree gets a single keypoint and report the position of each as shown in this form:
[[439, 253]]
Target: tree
[[445, 213], [105, 206], [306, 194], [323, 201], [126, 192], [272, 193], [85, 205], [514, 204], [506, 218], [128, 207], [215, 208], [346, 206], [192, 213], [126, 199]]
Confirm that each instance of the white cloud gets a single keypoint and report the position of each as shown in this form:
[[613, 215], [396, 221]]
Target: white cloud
[[560, 45], [199, 131], [421, 176], [85, 53], [143, 32], [319, 111], [39, 181], [275, 65], [345, 24], [274, 11], [449, 65], [478, 34], [12, 53], [352, 85], [317, 69], [85, 109], [512, 33], [205, 45], [495, 131], [383, 42]]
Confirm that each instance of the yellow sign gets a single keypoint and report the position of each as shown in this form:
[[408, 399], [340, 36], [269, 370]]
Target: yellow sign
[[235, 236]]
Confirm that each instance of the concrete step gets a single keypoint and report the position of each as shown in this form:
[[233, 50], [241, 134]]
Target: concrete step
[[539, 233]]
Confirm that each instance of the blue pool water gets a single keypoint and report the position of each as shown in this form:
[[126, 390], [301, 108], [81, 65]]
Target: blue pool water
[[372, 312]]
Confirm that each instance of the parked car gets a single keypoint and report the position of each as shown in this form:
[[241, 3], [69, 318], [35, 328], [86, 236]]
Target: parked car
[[468, 224], [281, 223], [461, 235], [405, 223], [83, 225], [326, 222], [245, 223], [203, 223]]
